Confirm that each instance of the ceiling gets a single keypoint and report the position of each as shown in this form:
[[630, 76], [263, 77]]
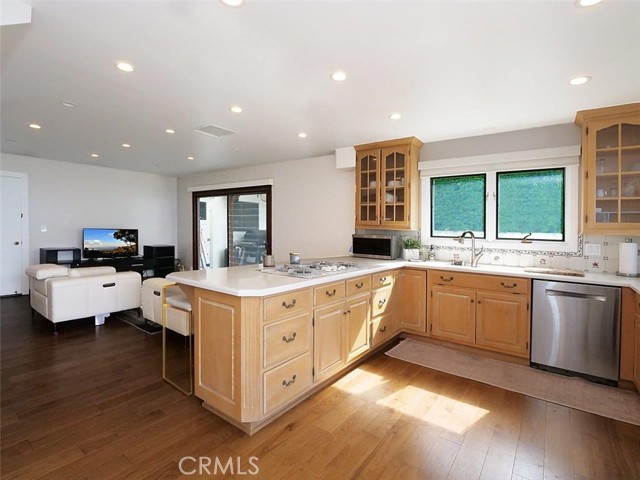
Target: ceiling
[[452, 69]]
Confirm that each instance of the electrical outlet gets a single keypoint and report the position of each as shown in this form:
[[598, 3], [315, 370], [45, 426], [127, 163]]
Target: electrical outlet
[[593, 249]]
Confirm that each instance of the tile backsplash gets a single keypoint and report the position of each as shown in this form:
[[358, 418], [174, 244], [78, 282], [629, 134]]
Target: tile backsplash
[[606, 262]]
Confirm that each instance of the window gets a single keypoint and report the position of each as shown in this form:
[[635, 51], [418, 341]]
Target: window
[[530, 203], [457, 205], [502, 198]]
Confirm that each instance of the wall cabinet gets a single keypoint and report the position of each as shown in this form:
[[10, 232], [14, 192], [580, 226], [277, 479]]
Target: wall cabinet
[[388, 184], [611, 169], [484, 311]]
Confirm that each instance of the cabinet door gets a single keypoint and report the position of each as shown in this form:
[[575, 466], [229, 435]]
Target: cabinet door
[[328, 341], [636, 366], [395, 198], [613, 175], [502, 323], [367, 188], [413, 304], [452, 314], [357, 326]]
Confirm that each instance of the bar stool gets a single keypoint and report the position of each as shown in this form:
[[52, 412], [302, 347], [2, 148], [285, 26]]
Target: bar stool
[[177, 316]]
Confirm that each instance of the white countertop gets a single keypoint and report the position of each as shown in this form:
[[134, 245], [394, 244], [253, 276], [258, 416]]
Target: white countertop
[[248, 281]]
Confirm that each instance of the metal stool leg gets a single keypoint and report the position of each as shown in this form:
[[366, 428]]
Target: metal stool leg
[[166, 306]]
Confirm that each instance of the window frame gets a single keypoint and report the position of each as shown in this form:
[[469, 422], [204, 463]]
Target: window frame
[[497, 206], [558, 157], [484, 206]]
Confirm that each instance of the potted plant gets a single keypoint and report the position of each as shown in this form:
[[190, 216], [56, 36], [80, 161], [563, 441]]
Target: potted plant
[[410, 248]]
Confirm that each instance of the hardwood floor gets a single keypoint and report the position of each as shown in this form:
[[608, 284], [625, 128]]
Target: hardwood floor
[[89, 403]]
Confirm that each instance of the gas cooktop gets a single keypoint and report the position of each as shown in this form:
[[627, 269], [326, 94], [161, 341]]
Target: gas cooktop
[[311, 270]]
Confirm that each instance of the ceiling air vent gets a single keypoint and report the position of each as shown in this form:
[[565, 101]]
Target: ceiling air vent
[[214, 131]]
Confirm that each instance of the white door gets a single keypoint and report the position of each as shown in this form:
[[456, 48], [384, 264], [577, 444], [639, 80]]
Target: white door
[[13, 232]]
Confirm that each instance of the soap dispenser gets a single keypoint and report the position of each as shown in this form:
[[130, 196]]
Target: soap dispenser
[[431, 254]]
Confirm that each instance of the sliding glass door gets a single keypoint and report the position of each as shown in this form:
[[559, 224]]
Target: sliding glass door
[[231, 226]]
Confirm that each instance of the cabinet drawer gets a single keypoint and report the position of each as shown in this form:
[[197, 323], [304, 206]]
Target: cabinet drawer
[[287, 304], [382, 279], [481, 281], [329, 293], [284, 383], [285, 339], [358, 285], [380, 301], [381, 329]]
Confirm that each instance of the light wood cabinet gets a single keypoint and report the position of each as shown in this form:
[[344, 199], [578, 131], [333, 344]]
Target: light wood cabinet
[[489, 312], [384, 306], [412, 311], [636, 363], [388, 184], [611, 169], [341, 332]]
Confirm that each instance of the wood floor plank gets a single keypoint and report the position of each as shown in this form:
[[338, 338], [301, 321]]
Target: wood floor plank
[[113, 418]]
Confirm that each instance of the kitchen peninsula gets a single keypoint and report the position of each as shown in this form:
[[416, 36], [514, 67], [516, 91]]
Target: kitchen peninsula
[[264, 343]]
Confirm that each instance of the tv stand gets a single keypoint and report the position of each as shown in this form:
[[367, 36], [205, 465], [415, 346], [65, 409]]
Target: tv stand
[[124, 264]]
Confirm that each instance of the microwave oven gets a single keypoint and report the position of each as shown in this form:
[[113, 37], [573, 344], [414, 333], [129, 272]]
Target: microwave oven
[[385, 247]]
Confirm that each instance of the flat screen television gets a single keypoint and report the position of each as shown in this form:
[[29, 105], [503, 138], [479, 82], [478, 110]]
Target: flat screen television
[[109, 242]]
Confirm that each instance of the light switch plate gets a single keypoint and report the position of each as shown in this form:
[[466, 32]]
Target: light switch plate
[[593, 249]]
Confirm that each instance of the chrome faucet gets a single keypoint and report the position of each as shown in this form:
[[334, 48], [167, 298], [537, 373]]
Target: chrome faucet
[[475, 256]]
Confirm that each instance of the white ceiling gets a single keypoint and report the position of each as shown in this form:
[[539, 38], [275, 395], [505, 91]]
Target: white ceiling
[[451, 68]]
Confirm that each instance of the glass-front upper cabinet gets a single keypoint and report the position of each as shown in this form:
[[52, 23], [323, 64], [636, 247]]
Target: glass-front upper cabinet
[[611, 166], [388, 184]]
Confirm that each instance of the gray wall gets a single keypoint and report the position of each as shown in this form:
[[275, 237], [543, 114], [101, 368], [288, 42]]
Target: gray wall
[[66, 197]]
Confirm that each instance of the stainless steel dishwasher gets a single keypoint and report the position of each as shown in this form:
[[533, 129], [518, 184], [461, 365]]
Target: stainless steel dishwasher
[[575, 330]]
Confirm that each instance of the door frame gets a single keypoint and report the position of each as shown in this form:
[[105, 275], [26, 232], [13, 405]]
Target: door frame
[[24, 224], [195, 212]]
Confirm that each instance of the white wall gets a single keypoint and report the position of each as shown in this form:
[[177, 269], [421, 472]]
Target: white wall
[[66, 197], [313, 206]]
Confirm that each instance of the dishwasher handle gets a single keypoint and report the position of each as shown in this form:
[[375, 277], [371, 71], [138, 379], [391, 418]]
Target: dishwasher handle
[[561, 293]]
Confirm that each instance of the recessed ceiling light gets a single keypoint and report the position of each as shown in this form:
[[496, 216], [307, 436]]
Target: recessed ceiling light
[[395, 116], [339, 76], [35, 126], [302, 135], [95, 155], [232, 3], [125, 67], [586, 3], [191, 158], [68, 104], [169, 130], [235, 109], [126, 145], [580, 80]]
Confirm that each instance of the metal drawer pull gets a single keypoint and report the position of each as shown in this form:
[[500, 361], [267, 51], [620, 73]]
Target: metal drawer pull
[[360, 285], [383, 279], [330, 294], [561, 293], [446, 279], [289, 305], [290, 382], [382, 302], [509, 286], [383, 329], [290, 339]]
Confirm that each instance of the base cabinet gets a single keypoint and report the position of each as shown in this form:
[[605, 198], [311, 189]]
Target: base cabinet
[[329, 341], [636, 363], [412, 316], [495, 317]]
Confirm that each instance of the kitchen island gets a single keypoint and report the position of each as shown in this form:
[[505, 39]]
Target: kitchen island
[[264, 343]]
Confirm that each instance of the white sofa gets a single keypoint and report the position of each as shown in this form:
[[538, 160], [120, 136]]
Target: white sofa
[[59, 293]]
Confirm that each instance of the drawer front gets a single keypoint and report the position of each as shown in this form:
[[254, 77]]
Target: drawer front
[[381, 329], [329, 293], [382, 279], [285, 339], [284, 383], [380, 301], [287, 304], [358, 285], [481, 281]]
